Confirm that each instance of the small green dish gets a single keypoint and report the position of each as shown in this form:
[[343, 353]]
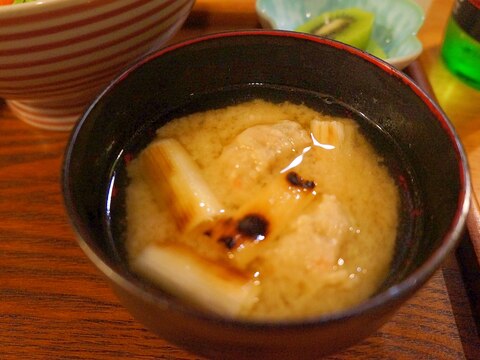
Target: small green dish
[[395, 28]]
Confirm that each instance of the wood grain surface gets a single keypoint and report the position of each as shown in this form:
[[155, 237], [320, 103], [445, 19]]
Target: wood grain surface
[[55, 305]]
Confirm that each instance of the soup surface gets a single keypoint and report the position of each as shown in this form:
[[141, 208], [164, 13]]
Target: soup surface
[[261, 210]]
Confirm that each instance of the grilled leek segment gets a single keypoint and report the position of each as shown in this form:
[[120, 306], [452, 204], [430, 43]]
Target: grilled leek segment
[[204, 283], [332, 134], [175, 178]]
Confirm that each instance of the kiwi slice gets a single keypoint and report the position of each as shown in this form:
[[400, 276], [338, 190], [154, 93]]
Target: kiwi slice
[[351, 26], [375, 49]]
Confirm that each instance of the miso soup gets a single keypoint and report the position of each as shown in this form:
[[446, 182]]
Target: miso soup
[[262, 210]]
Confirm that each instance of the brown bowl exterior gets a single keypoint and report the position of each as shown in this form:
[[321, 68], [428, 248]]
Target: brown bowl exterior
[[145, 96]]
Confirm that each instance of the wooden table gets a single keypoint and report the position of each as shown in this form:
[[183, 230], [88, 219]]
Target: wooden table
[[55, 305]]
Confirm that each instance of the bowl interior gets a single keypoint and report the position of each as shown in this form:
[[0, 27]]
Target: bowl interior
[[416, 140], [395, 28]]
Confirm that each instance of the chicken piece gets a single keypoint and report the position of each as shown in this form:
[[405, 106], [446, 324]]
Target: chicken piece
[[316, 239], [258, 150], [312, 246]]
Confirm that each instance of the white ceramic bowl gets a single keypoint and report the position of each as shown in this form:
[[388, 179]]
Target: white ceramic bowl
[[395, 29], [55, 55]]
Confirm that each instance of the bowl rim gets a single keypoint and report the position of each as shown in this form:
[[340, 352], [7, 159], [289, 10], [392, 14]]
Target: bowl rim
[[400, 291], [34, 5]]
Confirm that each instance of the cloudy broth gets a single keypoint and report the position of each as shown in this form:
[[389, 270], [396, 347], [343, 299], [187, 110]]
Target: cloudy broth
[[335, 250]]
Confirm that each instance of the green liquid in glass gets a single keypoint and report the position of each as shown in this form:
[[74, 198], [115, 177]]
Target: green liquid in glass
[[461, 53]]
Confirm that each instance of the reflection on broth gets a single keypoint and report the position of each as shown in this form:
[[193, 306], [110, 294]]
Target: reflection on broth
[[265, 211]]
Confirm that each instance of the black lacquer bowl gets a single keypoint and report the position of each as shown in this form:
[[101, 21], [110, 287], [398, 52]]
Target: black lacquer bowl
[[417, 141]]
